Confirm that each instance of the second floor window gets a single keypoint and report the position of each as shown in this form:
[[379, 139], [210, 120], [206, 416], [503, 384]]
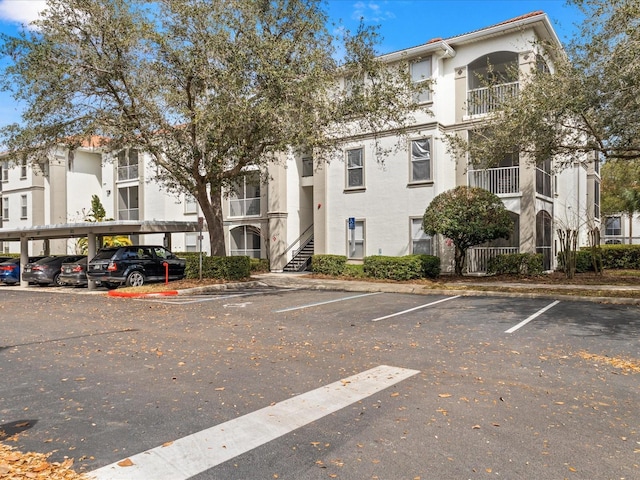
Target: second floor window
[[613, 227], [244, 198], [128, 204], [421, 160], [128, 164], [23, 168], [420, 75], [5, 172], [307, 167], [5, 208], [23, 206], [355, 168]]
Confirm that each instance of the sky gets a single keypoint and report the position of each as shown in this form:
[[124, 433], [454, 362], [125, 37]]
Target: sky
[[401, 23]]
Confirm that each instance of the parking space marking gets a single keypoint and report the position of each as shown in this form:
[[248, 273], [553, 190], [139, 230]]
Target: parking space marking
[[326, 302], [532, 317], [200, 451], [414, 308], [185, 300]]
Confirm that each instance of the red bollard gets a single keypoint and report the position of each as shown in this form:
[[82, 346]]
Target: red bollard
[[166, 273]]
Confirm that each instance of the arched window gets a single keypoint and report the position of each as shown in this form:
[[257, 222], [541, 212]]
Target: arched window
[[245, 240]]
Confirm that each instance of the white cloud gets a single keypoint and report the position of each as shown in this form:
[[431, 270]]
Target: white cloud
[[371, 12], [21, 11]]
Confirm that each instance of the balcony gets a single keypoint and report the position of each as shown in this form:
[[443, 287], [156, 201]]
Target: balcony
[[501, 180], [478, 257], [488, 99], [128, 172], [244, 207]]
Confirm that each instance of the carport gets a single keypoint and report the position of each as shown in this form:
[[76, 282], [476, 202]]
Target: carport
[[91, 230]]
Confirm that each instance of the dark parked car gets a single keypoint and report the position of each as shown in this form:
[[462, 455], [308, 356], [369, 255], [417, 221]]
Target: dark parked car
[[10, 270], [74, 273], [46, 271], [134, 265]]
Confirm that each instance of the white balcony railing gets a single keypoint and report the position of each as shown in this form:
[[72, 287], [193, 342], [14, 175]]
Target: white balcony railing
[[487, 99], [244, 207], [248, 252], [502, 180], [478, 257], [128, 172]]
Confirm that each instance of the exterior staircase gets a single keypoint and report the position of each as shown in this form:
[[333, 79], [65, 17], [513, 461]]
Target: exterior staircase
[[301, 258]]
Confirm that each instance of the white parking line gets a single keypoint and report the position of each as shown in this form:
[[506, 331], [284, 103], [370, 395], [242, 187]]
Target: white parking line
[[535, 315], [178, 300], [200, 451], [324, 303], [414, 308]]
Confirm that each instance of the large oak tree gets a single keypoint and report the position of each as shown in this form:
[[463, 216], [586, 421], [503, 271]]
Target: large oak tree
[[209, 89]]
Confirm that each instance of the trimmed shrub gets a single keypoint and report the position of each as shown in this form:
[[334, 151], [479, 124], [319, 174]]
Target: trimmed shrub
[[259, 265], [328, 264], [430, 266], [226, 268], [583, 261], [516, 264], [394, 268], [625, 257], [354, 271]]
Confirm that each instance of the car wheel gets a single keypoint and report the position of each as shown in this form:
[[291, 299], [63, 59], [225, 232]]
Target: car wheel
[[135, 279], [57, 282]]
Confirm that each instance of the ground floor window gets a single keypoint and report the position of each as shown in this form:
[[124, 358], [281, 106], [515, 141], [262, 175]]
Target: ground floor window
[[355, 239], [421, 243], [190, 242], [613, 227], [245, 240]]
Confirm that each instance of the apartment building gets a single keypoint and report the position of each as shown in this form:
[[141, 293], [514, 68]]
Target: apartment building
[[358, 204], [621, 229]]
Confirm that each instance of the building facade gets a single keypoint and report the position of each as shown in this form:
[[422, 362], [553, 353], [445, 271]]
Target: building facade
[[360, 203]]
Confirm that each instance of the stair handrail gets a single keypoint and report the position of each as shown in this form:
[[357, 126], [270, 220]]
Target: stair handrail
[[299, 241]]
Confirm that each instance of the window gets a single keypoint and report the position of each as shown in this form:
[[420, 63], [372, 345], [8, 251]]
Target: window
[[128, 204], [355, 168], [307, 167], [613, 227], [492, 79], [244, 198], [596, 200], [5, 208], [355, 240], [190, 204], [421, 243], [23, 206], [128, 164], [23, 168], [5, 172], [190, 242], [420, 75], [421, 160], [245, 240]]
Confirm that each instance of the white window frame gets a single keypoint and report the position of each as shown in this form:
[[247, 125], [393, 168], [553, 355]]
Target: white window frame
[[608, 231], [190, 242], [126, 203], [355, 238], [23, 169], [417, 235], [190, 204], [5, 208], [5, 172], [240, 204], [419, 75], [24, 207], [128, 165], [429, 160], [349, 169]]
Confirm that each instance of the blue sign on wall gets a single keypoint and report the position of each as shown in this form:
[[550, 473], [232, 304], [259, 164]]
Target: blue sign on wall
[[352, 223]]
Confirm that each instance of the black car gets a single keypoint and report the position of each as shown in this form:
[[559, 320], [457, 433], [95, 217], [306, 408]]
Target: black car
[[46, 271], [134, 265], [74, 273]]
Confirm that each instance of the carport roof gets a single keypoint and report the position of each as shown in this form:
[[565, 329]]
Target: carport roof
[[75, 230]]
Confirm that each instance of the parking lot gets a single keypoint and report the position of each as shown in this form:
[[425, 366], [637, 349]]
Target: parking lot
[[304, 384]]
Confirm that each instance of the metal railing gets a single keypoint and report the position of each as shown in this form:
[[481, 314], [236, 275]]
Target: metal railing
[[128, 172], [487, 99], [248, 252], [478, 257], [244, 207], [502, 180]]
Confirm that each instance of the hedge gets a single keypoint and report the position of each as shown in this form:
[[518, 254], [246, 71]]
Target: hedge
[[516, 264], [333, 265], [623, 257], [377, 266], [227, 268]]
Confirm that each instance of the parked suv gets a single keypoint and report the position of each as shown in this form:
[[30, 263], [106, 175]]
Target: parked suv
[[134, 265]]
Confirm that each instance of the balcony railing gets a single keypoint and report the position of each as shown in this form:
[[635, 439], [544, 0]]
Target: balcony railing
[[478, 257], [502, 180], [244, 207], [128, 172], [248, 252], [487, 99]]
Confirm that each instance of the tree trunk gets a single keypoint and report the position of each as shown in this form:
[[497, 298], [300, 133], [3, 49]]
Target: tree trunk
[[211, 206], [460, 256]]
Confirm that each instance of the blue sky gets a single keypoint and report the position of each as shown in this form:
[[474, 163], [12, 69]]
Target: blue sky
[[402, 23]]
